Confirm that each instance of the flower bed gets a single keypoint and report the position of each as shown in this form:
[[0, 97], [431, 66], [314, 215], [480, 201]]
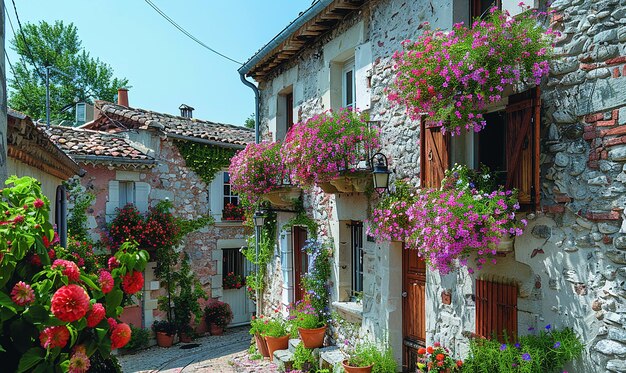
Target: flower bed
[[256, 170], [452, 76], [319, 149]]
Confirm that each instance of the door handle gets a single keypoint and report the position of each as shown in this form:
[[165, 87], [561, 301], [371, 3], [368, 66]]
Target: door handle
[[404, 294]]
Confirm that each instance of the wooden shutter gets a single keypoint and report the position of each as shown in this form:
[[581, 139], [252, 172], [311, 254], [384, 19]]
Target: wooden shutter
[[434, 159], [522, 147], [496, 310]]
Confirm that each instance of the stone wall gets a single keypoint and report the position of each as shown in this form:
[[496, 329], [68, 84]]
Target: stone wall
[[569, 265]]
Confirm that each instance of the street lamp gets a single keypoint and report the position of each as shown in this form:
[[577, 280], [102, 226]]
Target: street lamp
[[380, 173], [259, 219]]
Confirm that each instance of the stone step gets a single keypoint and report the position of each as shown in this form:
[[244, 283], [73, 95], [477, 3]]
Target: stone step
[[283, 360], [293, 344], [330, 356]]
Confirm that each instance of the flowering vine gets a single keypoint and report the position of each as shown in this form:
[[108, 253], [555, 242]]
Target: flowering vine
[[453, 76]]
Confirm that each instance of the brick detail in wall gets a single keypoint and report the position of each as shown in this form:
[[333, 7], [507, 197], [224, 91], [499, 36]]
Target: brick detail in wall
[[603, 131]]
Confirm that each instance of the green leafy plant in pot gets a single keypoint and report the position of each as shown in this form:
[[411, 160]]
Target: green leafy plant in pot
[[368, 357], [276, 335], [165, 332], [306, 322], [186, 301]]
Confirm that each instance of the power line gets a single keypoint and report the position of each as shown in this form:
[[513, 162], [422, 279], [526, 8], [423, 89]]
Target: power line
[[181, 29], [28, 50]]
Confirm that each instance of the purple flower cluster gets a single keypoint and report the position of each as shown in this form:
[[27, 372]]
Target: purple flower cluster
[[256, 170], [453, 76], [319, 148]]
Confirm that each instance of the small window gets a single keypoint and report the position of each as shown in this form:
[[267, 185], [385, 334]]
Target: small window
[[230, 197], [480, 8], [284, 113], [232, 262], [127, 193], [348, 85], [356, 230], [496, 310]]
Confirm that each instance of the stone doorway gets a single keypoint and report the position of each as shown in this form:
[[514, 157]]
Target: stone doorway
[[413, 308]]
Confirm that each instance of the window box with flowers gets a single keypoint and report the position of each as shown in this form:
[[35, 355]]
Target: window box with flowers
[[232, 281], [455, 76], [258, 173], [233, 212], [331, 150]]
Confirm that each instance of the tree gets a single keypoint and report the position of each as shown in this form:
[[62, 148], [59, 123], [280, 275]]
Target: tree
[[74, 74], [249, 123]]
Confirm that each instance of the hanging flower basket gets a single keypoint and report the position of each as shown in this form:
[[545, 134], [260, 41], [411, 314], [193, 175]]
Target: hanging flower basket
[[453, 76], [327, 146]]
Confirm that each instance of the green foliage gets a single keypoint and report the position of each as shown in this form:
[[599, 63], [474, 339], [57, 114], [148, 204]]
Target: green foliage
[[267, 242], [367, 354], [205, 160], [302, 219], [57, 45], [164, 326], [276, 327], [303, 359], [77, 214], [218, 313], [250, 122], [139, 339], [189, 293], [99, 364], [546, 352], [315, 281]]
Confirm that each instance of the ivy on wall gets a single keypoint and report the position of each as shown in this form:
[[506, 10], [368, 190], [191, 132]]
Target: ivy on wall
[[204, 159], [302, 219], [267, 243]]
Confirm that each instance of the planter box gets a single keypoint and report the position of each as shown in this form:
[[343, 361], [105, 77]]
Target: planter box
[[283, 197], [349, 182]]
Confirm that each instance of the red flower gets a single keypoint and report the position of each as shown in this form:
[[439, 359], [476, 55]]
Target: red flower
[[70, 303], [79, 362], [106, 281], [70, 269], [112, 322], [120, 335], [429, 350], [22, 294], [38, 203], [113, 263], [132, 282], [54, 336], [35, 260], [51, 253], [95, 315], [440, 357], [436, 344], [459, 363], [421, 351]]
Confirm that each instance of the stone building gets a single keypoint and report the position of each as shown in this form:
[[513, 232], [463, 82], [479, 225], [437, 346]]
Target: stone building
[[131, 155], [566, 270]]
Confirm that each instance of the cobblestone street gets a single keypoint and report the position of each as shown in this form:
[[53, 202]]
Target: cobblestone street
[[227, 353]]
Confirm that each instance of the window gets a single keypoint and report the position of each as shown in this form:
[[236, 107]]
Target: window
[[496, 310], [284, 112], [229, 195], [232, 261], [508, 145], [480, 8], [348, 84], [356, 230], [127, 193]]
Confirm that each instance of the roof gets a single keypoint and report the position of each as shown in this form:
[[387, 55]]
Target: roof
[[321, 17], [29, 144], [115, 118], [89, 146]]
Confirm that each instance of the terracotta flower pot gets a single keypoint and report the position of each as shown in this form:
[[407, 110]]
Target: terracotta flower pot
[[276, 343], [261, 345], [184, 337], [164, 339], [216, 330], [312, 338], [350, 369]]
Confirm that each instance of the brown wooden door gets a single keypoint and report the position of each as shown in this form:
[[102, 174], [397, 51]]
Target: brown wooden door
[[300, 261], [413, 307], [434, 157]]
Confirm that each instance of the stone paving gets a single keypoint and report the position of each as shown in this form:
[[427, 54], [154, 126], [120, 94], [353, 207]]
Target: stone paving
[[226, 353]]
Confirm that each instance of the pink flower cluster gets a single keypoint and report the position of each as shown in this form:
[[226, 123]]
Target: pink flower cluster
[[256, 170], [453, 76], [389, 221], [319, 148]]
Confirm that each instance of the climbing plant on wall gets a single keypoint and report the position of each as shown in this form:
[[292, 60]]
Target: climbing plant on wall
[[204, 159], [267, 242]]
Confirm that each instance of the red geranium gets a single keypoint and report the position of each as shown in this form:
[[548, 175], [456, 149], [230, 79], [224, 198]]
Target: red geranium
[[95, 315], [120, 335], [54, 336], [106, 281], [132, 282], [70, 303], [70, 269]]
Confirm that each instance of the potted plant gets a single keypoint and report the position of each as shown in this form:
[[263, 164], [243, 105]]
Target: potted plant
[[305, 320], [258, 172], [218, 315], [436, 359], [276, 336], [368, 357], [327, 148], [186, 300], [257, 329], [165, 332], [232, 281], [454, 75]]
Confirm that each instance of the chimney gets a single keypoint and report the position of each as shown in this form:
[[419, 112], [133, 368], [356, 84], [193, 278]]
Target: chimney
[[122, 97], [186, 111]]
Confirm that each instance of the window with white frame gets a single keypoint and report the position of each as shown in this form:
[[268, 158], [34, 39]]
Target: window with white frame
[[229, 196], [348, 87], [284, 112], [127, 193]]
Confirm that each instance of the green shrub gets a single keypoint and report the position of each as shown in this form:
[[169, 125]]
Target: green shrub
[[546, 352], [303, 359], [368, 353], [139, 339]]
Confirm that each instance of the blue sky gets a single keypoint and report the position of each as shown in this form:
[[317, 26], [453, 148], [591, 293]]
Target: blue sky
[[164, 67]]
